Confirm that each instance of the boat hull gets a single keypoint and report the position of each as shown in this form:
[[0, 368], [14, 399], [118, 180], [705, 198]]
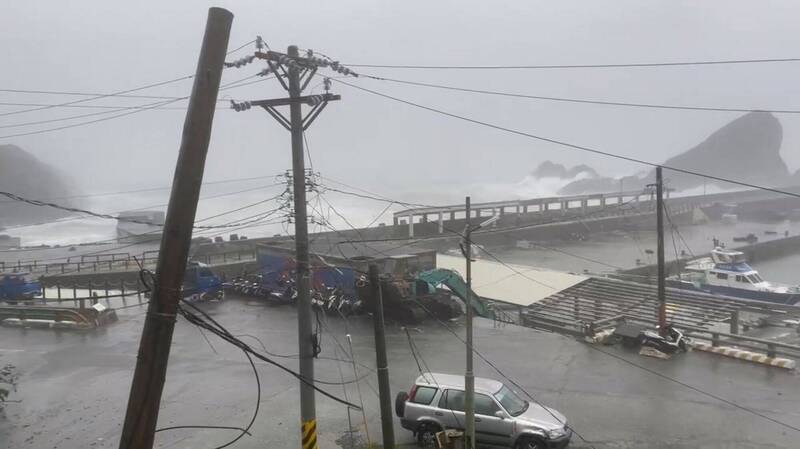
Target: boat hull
[[773, 297]]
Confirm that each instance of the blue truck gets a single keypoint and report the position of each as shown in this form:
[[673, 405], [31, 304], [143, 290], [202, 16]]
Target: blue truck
[[201, 284], [18, 286]]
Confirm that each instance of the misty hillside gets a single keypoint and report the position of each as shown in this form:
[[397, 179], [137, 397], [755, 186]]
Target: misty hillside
[[24, 175], [746, 149]]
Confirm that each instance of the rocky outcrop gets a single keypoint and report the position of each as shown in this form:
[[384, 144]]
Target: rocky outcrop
[[549, 169], [746, 149], [24, 175]]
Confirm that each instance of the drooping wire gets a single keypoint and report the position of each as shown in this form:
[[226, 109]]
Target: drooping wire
[[583, 100], [571, 145], [246, 430], [500, 372], [695, 389], [202, 319], [579, 66]]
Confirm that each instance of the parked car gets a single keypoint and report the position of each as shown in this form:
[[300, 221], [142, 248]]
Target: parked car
[[502, 418]]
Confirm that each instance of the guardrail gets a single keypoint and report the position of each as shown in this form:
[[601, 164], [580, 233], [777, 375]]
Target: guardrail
[[717, 338], [116, 262]]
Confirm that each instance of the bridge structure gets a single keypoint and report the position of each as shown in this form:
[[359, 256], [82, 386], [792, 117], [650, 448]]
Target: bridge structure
[[575, 204]]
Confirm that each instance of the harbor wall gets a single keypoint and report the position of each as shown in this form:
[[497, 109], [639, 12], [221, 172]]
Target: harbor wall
[[756, 252]]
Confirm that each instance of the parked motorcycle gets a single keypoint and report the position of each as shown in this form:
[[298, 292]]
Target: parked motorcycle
[[671, 343]]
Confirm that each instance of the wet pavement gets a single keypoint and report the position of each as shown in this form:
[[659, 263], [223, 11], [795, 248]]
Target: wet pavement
[[74, 386]]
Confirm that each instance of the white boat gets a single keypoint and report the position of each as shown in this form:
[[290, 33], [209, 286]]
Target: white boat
[[727, 273], [140, 225]]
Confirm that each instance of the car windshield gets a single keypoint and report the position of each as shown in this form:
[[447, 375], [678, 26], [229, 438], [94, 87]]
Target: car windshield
[[513, 404]]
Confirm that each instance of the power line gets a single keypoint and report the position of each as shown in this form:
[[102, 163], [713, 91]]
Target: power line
[[61, 220], [580, 66], [584, 101], [240, 47], [39, 203], [501, 373], [695, 389], [207, 322], [570, 145], [97, 106], [141, 108], [147, 107], [97, 97]]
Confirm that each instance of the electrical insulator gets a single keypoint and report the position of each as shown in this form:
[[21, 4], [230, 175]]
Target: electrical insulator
[[259, 43], [327, 82], [264, 72], [314, 100]]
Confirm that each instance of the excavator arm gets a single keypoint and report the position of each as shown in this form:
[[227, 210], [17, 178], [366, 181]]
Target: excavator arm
[[453, 281]]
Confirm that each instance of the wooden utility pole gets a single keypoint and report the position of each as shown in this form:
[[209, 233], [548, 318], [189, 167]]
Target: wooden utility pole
[[387, 427], [662, 300], [151, 364], [469, 376]]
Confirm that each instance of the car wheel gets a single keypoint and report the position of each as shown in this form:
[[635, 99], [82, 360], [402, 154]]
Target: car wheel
[[426, 435], [530, 443]]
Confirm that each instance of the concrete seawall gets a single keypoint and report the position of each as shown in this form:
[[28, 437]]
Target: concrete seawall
[[756, 252]]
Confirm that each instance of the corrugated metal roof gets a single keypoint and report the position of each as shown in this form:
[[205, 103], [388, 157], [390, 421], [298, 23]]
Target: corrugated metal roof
[[516, 284]]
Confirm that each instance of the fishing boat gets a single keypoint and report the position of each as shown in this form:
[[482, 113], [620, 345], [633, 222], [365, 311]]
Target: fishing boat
[[727, 273]]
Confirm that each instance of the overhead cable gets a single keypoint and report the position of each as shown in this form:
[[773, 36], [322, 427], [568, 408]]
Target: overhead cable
[[571, 145], [580, 66]]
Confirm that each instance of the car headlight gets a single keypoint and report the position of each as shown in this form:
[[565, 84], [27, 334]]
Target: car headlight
[[555, 433]]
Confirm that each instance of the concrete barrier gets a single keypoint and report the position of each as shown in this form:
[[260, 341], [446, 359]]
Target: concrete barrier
[[745, 355]]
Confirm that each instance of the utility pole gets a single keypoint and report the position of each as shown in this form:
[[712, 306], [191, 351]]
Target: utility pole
[[299, 71], [469, 376], [385, 394], [305, 333], [141, 416], [662, 301]]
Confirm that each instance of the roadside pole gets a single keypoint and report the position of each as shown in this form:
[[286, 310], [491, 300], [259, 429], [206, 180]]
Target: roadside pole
[[387, 427], [151, 364], [662, 302], [308, 413], [469, 376], [299, 71]]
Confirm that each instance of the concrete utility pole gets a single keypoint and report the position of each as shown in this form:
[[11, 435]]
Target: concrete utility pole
[[387, 427], [662, 301], [298, 71], [469, 376], [305, 332], [151, 364]]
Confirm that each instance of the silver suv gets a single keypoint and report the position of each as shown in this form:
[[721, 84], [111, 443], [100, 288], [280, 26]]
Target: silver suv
[[502, 418]]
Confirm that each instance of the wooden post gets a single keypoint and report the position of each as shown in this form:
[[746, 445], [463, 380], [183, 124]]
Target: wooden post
[[149, 376]]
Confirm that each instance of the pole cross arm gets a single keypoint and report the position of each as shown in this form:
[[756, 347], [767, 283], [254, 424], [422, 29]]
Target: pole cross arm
[[275, 56], [311, 100]]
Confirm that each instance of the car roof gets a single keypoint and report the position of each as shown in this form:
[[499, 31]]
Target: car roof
[[457, 381]]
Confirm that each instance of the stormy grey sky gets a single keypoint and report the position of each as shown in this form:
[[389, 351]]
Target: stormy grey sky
[[104, 46]]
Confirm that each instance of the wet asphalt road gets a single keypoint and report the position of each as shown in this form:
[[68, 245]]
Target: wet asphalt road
[[74, 387]]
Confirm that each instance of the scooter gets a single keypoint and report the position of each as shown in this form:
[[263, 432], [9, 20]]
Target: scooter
[[673, 342]]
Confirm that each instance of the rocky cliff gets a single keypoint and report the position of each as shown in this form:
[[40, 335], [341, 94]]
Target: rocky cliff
[[24, 175], [746, 149]]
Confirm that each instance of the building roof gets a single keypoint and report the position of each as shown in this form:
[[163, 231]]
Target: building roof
[[510, 283]]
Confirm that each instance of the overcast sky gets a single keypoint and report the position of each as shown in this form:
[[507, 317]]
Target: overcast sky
[[105, 46]]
